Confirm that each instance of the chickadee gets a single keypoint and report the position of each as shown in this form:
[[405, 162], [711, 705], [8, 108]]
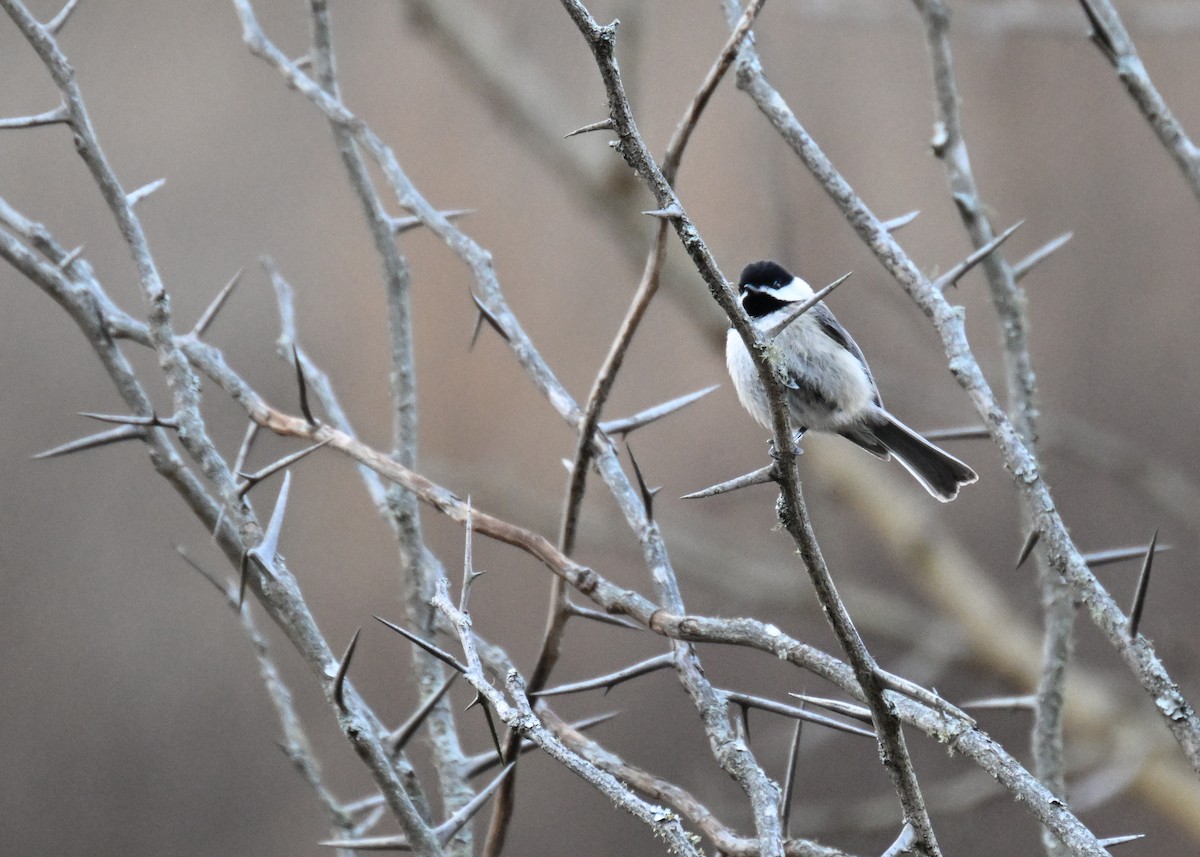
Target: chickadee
[[829, 386]]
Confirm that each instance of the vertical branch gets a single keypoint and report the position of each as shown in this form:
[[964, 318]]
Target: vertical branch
[[419, 569], [1058, 608]]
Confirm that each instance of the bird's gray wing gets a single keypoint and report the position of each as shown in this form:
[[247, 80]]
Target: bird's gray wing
[[834, 330]]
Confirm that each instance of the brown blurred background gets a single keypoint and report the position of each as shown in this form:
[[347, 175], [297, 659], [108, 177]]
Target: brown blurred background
[[132, 718]]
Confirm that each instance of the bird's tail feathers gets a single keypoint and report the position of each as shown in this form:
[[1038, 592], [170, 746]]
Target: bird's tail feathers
[[940, 472]]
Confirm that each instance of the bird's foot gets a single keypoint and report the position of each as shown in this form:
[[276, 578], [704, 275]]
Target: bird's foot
[[796, 450]]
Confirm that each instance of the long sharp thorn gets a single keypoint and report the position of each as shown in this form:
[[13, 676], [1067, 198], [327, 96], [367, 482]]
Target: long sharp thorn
[[399, 738], [612, 679], [302, 383], [92, 441], [602, 125], [50, 117], [491, 724], [1022, 268], [369, 843], [151, 421], [1026, 702], [442, 655], [244, 450], [960, 270], [481, 762], [789, 779], [794, 712], [407, 224], [846, 709], [647, 492], [479, 317], [252, 479], [592, 722], [961, 433], [806, 306], [758, 477], [900, 222], [339, 680], [58, 21], [204, 572], [468, 561], [266, 549], [671, 212], [66, 260], [447, 829], [1107, 557], [597, 616], [1119, 840], [641, 418], [1143, 584], [1031, 541], [206, 318], [485, 314], [243, 579], [136, 196]]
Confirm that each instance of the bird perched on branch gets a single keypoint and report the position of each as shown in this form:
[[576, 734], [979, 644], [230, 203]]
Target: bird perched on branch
[[828, 385]]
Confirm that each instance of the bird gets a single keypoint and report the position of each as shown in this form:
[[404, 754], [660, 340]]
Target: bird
[[828, 385]]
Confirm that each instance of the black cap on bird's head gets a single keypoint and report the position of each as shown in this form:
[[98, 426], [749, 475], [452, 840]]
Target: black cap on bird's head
[[765, 275], [759, 286]]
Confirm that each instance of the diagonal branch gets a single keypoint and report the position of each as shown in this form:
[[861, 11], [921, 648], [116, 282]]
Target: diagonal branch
[[1111, 37]]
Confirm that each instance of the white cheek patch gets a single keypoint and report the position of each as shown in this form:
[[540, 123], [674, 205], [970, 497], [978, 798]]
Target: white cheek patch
[[796, 290]]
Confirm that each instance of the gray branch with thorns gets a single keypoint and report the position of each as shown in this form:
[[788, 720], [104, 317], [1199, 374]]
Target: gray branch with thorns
[[888, 709]]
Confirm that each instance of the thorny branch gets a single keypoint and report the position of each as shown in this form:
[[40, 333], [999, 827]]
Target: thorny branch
[[217, 497], [1062, 554], [792, 512]]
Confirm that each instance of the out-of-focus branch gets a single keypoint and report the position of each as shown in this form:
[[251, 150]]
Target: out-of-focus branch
[[295, 742], [1113, 40]]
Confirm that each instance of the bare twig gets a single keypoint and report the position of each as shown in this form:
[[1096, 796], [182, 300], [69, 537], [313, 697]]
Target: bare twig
[[1111, 37]]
